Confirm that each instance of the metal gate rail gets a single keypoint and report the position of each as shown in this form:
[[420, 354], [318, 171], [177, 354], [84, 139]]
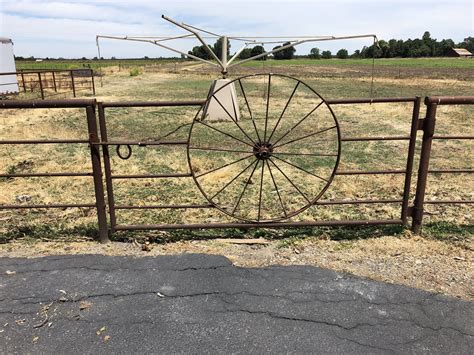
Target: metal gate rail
[[428, 127], [93, 137], [404, 201]]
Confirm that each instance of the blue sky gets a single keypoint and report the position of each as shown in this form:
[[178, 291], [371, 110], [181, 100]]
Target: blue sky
[[68, 28]]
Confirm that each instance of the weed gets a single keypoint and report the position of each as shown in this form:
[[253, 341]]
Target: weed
[[135, 71]]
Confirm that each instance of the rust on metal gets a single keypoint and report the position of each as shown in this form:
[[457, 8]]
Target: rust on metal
[[263, 149]]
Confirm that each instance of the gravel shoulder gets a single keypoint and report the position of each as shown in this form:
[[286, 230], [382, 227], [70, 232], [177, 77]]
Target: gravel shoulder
[[428, 264]]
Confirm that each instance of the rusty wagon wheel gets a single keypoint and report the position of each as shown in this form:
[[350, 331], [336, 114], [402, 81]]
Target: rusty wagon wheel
[[264, 147]]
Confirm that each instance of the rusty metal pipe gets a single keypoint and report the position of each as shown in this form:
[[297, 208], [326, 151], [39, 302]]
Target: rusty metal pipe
[[11, 104], [450, 100], [260, 225], [410, 158], [428, 132]]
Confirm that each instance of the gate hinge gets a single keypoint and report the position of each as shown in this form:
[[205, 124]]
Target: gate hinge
[[420, 124]]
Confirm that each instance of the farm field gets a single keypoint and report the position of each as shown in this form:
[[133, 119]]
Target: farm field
[[447, 234], [433, 68]]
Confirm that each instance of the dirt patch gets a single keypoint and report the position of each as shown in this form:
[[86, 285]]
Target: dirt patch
[[409, 260]]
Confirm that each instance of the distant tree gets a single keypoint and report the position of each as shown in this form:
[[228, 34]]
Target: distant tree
[[246, 53], [342, 53], [201, 52], [146, 57], [258, 50], [95, 58], [83, 58], [217, 48], [326, 55], [287, 53], [315, 53], [356, 54], [468, 44]]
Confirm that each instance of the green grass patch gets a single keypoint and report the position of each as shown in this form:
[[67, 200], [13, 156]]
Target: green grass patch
[[394, 62]]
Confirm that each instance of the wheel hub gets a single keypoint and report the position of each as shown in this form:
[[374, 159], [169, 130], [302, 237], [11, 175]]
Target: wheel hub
[[263, 151]]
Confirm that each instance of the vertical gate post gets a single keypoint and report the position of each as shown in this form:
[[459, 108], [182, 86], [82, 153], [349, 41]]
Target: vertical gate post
[[54, 82], [107, 167], [41, 85], [72, 83], [23, 81], [93, 83], [410, 158], [97, 174], [428, 132]]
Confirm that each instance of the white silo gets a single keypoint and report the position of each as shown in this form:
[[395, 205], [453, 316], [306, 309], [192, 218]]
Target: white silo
[[8, 83]]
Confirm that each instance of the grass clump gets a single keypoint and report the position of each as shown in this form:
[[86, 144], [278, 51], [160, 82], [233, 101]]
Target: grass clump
[[135, 71]]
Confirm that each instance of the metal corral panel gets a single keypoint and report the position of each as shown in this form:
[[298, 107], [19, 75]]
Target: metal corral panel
[[8, 83]]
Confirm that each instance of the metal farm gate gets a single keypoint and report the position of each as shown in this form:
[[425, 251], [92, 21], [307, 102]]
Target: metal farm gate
[[257, 150]]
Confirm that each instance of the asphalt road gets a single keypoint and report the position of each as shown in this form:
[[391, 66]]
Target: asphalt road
[[203, 304]]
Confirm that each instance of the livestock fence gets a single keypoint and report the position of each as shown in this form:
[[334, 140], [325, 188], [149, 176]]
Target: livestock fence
[[49, 83], [411, 205]]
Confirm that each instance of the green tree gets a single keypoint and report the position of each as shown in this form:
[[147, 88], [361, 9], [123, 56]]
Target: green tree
[[287, 53], [468, 44], [217, 48], [315, 53], [342, 53], [246, 53], [201, 52], [356, 54], [258, 50], [326, 55]]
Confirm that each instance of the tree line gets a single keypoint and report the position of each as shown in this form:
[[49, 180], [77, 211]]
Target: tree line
[[410, 48]]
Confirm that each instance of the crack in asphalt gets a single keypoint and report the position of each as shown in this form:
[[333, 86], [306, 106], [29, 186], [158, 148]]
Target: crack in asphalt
[[222, 295]]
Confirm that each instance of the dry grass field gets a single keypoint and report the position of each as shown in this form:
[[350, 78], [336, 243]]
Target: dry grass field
[[442, 255]]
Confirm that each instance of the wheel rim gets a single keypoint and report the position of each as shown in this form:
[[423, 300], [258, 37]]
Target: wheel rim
[[276, 159]]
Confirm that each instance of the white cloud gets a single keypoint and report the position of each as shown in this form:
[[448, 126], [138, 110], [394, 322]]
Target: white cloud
[[68, 28]]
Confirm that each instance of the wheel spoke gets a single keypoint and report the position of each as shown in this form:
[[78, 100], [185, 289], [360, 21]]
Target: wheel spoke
[[276, 188], [266, 112], [302, 169], [233, 120], [284, 110], [306, 136], [219, 149], [234, 178], [224, 133], [260, 195], [290, 181], [305, 154], [298, 123], [245, 187], [224, 166], [250, 111]]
